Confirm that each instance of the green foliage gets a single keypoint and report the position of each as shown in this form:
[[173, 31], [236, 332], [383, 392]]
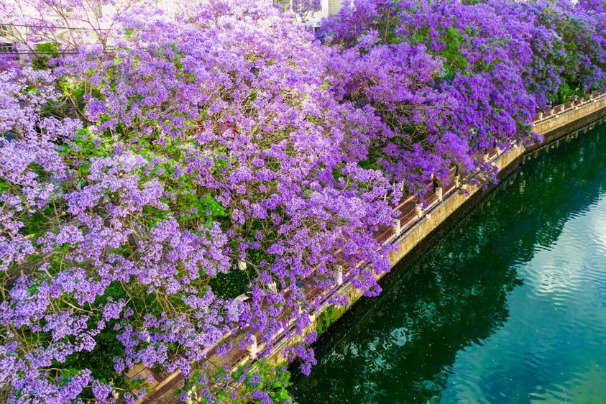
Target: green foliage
[[326, 319], [231, 284], [262, 376], [100, 361], [46, 50], [274, 380], [565, 93], [454, 59], [83, 148], [196, 208], [40, 222]]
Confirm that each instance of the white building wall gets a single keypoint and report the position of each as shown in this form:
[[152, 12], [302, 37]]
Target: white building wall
[[334, 6], [99, 12]]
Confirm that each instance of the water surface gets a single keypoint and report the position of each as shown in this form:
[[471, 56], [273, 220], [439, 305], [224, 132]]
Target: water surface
[[509, 307]]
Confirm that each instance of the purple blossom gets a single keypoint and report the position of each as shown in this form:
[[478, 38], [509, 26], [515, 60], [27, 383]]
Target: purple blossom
[[160, 154]]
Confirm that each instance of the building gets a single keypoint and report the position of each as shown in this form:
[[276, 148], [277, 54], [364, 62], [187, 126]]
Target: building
[[16, 30], [325, 9]]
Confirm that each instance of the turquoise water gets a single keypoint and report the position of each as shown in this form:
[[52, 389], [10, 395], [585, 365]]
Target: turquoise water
[[509, 307]]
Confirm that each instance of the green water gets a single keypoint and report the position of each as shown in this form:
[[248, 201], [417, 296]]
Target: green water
[[510, 307]]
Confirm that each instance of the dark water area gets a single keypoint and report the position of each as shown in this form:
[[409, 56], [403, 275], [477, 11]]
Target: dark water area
[[509, 307]]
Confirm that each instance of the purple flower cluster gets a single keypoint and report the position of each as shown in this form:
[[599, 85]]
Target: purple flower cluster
[[452, 79], [152, 159]]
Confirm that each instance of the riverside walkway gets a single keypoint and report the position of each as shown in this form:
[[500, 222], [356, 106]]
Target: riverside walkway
[[409, 216]]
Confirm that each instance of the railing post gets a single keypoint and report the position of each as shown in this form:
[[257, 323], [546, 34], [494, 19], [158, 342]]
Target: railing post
[[339, 275], [253, 348], [272, 287], [397, 228], [440, 194], [457, 181], [419, 209]]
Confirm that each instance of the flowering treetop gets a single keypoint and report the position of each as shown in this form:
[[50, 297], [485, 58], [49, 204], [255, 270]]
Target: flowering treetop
[[154, 166]]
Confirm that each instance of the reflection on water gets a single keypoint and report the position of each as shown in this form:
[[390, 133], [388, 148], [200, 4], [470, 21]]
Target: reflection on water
[[509, 307]]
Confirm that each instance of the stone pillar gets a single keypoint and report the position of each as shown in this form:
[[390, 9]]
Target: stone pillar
[[396, 226], [324, 10], [457, 181], [419, 209], [440, 194], [272, 287], [339, 275], [253, 348]]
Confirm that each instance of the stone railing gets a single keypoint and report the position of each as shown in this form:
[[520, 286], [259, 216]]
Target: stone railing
[[569, 106]]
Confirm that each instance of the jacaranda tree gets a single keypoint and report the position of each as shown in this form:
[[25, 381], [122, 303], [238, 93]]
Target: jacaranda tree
[[155, 165]]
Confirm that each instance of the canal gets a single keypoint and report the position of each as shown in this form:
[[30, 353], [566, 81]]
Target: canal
[[510, 306]]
